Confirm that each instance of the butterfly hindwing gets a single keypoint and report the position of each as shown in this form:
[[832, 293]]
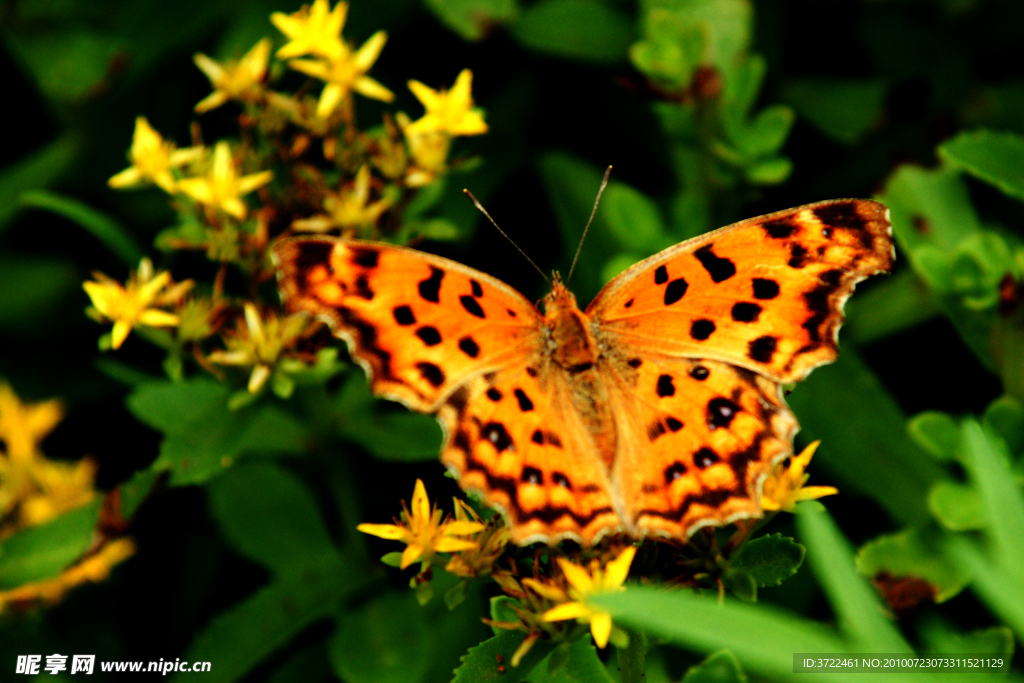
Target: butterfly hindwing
[[512, 440], [697, 438], [419, 324], [765, 293]]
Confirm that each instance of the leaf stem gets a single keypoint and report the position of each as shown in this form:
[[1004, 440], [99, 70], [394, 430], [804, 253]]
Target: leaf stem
[[632, 664]]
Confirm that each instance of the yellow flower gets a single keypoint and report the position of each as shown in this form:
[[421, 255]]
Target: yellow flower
[[23, 426], [490, 544], [348, 208], [584, 584], [260, 342], [234, 80], [784, 487], [136, 303], [448, 111], [312, 31], [346, 73], [152, 159], [429, 151], [423, 530], [62, 486], [94, 568], [222, 188]]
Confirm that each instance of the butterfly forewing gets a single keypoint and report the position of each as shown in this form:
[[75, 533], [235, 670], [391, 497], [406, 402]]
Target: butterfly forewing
[[419, 324], [765, 293]]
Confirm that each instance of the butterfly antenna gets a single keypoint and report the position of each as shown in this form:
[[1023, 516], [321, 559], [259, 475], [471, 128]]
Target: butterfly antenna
[[482, 210], [593, 212]]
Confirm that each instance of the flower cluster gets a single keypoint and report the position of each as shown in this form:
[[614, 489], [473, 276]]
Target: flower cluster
[[300, 163]]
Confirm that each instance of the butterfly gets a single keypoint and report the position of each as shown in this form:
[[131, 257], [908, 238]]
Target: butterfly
[[657, 410]]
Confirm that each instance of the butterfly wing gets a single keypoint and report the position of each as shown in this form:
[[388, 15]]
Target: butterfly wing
[[516, 442], [764, 294], [441, 337], [420, 325], [697, 438]]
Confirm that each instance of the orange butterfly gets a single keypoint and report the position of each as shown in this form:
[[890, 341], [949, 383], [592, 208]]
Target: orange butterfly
[[657, 410]]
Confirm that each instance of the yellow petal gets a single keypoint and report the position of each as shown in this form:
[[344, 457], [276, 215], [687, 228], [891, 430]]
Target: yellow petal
[[576, 575], [258, 378], [368, 53], [454, 545], [126, 178], [212, 69], [330, 98], [368, 87], [553, 593], [148, 291], [247, 184], [570, 610], [211, 101], [805, 456], [119, 333], [157, 318], [617, 570], [814, 492], [427, 96], [390, 532], [462, 528], [601, 628], [420, 504], [311, 67], [411, 553]]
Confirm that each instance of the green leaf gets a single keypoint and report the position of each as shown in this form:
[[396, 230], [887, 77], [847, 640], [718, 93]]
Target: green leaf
[[68, 63], [871, 436], [575, 29], [581, 665], [742, 584], [889, 306], [762, 637], [481, 663], [770, 171], [769, 560], [392, 559], [240, 638], [135, 491], [202, 436], [766, 133], [456, 595], [269, 516], [43, 551], [1005, 417], [101, 226], [472, 19], [633, 218], [501, 610], [387, 640], [940, 636], [911, 553], [994, 157], [34, 289], [999, 588], [857, 606], [929, 207], [957, 507], [844, 110], [720, 667], [987, 463], [40, 168], [936, 433], [387, 432], [672, 48]]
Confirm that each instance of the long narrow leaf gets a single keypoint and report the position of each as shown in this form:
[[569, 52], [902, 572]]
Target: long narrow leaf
[[96, 223]]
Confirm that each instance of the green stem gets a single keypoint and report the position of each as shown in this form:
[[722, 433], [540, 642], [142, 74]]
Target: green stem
[[632, 667]]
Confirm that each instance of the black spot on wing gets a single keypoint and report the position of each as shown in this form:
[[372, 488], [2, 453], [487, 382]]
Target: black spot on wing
[[537, 437], [469, 347], [553, 439], [781, 227], [701, 329], [471, 306], [634, 363], [720, 269], [496, 433], [403, 315], [430, 289], [674, 471], [665, 386], [700, 373], [661, 275], [494, 394], [430, 372], [365, 336], [476, 288], [630, 303], [765, 289], [525, 404], [560, 479], [459, 399], [364, 256], [762, 349], [721, 412], [532, 372], [655, 429], [705, 458], [363, 288], [745, 312], [673, 424], [429, 335], [579, 367], [531, 475], [675, 291], [312, 253], [841, 215], [797, 256]]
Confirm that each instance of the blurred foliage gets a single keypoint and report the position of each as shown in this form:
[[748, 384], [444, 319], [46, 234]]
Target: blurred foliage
[[231, 450]]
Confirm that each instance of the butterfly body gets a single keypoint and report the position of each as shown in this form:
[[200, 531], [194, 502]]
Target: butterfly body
[[657, 410]]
